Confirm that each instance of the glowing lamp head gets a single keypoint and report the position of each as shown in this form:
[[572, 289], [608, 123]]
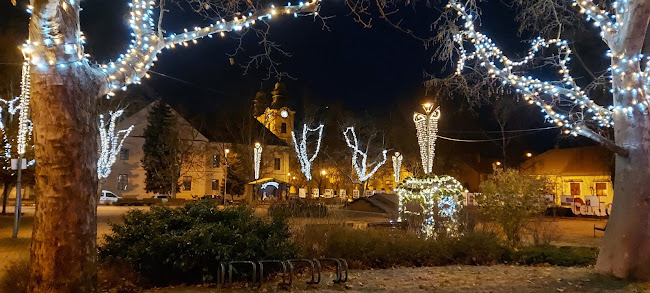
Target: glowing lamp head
[[284, 113], [323, 172], [257, 145], [529, 155], [498, 163], [427, 107], [226, 151]]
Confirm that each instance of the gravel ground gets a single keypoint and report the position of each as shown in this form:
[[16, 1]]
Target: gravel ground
[[466, 279]]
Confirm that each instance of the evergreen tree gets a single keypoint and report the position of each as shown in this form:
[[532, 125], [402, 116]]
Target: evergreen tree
[[161, 150]]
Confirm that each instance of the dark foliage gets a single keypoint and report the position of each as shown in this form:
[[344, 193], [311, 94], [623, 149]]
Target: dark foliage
[[186, 244], [160, 150], [298, 209], [385, 248]]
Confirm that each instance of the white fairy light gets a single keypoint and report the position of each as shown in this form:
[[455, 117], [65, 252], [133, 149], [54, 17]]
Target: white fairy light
[[397, 166], [24, 124], [147, 42], [257, 158], [438, 198], [110, 143], [301, 149], [362, 169], [427, 131], [633, 84]]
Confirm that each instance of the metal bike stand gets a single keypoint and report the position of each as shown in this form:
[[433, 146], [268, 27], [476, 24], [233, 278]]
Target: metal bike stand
[[284, 271], [311, 267], [339, 268], [230, 267]]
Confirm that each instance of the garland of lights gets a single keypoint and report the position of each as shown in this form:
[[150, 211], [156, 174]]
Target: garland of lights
[[301, 148], [362, 171], [12, 109], [438, 198], [24, 124], [427, 131], [564, 91], [257, 158], [110, 143], [397, 165], [146, 44]]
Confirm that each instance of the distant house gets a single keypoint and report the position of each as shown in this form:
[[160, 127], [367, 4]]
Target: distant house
[[579, 175], [203, 172]]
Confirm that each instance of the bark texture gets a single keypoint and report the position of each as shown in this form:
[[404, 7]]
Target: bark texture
[[63, 251], [625, 251]]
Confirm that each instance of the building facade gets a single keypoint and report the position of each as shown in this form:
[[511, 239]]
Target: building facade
[[204, 164], [581, 177]]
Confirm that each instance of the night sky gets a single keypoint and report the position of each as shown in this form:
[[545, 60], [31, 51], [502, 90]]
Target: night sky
[[378, 70]]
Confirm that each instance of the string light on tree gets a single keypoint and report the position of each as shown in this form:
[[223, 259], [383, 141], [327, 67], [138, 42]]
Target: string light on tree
[[110, 143], [579, 110], [427, 132], [301, 148], [361, 168], [257, 158], [439, 200], [397, 166], [24, 124], [147, 41]]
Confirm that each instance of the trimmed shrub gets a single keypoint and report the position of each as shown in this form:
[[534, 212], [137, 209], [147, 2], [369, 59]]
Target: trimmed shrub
[[559, 256], [186, 244], [384, 248]]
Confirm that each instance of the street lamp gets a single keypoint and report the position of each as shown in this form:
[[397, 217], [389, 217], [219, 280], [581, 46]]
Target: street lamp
[[225, 180], [530, 155]]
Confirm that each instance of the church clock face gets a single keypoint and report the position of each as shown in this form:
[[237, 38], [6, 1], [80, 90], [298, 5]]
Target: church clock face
[[284, 114]]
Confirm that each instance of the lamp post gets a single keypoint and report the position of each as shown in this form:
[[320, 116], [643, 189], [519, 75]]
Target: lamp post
[[225, 180]]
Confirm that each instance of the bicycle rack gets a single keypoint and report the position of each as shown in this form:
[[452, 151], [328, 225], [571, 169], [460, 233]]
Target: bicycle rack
[[284, 271], [311, 266], [230, 267], [339, 268], [221, 274]]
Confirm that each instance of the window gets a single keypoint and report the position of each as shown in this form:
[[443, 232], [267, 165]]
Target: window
[[124, 154], [276, 163], [601, 188], [216, 161], [283, 128], [122, 181], [215, 184], [575, 188], [187, 182]]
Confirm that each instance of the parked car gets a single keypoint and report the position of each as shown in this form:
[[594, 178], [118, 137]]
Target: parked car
[[108, 197], [162, 197]]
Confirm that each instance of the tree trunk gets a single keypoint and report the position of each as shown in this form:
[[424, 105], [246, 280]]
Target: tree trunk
[[64, 115], [5, 196], [625, 251]]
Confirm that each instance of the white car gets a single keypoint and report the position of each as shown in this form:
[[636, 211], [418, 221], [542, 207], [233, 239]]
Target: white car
[[162, 197], [108, 197]]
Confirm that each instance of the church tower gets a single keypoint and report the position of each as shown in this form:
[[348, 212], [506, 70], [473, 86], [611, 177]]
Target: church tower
[[278, 118]]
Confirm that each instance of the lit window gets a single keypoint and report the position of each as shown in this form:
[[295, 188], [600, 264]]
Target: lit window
[[575, 188], [187, 182], [216, 161], [124, 154], [122, 181], [215, 184], [601, 188]]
